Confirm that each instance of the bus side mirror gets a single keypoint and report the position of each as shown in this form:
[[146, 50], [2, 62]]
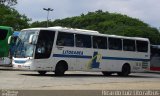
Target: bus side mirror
[[32, 39], [9, 39]]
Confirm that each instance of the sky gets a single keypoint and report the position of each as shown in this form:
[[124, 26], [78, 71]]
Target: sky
[[145, 10]]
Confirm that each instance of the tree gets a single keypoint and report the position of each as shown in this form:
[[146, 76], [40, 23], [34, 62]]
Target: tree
[[8, 2], [10, 17], [109, 23]]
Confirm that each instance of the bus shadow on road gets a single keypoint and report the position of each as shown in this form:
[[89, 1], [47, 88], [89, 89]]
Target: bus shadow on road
[[89, 75], [66, 75]]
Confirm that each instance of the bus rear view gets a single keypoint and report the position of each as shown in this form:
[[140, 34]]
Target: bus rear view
[[5, 32]]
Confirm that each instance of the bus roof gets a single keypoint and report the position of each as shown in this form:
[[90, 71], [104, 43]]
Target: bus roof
[[73, 29], [65, 29], [5, 27], [83, 31]]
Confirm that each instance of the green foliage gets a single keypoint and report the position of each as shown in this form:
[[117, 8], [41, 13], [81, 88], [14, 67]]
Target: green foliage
[[8, 2], [10, 17], [108, 23]]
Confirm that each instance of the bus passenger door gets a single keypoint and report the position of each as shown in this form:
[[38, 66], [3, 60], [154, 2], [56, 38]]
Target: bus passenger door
[[44, 45]]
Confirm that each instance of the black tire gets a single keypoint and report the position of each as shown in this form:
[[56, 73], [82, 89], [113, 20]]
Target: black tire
[[60, 69], [42, 72], [107, 73], [126, 70]]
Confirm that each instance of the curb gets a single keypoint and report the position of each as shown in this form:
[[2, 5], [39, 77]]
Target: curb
[[153, 72], [9, 69]]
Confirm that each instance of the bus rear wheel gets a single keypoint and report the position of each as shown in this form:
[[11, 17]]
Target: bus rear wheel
[[42, 72], [126, 70], [107, 73]]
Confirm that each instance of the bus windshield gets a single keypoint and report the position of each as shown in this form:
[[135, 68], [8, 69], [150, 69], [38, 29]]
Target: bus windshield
[[3, 34], [23, 47]]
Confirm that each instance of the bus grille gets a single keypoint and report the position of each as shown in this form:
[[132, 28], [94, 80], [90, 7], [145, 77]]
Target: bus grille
[[19, 61], [145, 65]]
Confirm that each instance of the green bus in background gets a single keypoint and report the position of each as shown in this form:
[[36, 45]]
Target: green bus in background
[[5, 33]]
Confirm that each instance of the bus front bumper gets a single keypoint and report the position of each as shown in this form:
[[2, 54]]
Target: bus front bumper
[[22, 64]]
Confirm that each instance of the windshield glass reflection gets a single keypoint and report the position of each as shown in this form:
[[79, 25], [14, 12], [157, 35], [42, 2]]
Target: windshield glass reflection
[[23, 48]]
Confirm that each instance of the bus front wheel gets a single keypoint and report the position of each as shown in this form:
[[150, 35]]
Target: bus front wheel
[[61, 68], [126, 70], [42, 72]]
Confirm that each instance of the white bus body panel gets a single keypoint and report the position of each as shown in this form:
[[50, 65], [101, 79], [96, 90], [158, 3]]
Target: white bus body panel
[[108, 61]]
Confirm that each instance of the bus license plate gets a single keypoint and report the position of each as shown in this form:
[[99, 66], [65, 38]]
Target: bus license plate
[[19, 66]]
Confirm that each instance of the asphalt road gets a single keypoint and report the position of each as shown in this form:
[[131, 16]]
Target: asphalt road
[[27, 80]]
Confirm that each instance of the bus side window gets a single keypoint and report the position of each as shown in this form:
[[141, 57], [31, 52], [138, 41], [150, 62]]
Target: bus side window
[[3, 34], [65, 39], [79, 43], [128, 45], [99, 42], [142, 46], [83, 41], [115, 43]]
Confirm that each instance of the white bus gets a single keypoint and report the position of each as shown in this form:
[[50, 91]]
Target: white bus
[[60, 49]]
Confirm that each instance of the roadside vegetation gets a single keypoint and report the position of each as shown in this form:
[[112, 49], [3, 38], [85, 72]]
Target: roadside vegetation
[[104, 22]]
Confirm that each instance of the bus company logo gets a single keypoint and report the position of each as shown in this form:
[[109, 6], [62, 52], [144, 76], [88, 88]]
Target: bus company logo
[[68, 52], [95, 61]]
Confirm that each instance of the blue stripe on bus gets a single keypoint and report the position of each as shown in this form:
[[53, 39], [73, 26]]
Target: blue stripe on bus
[[121, 58], [72, 56], [89, 57]]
